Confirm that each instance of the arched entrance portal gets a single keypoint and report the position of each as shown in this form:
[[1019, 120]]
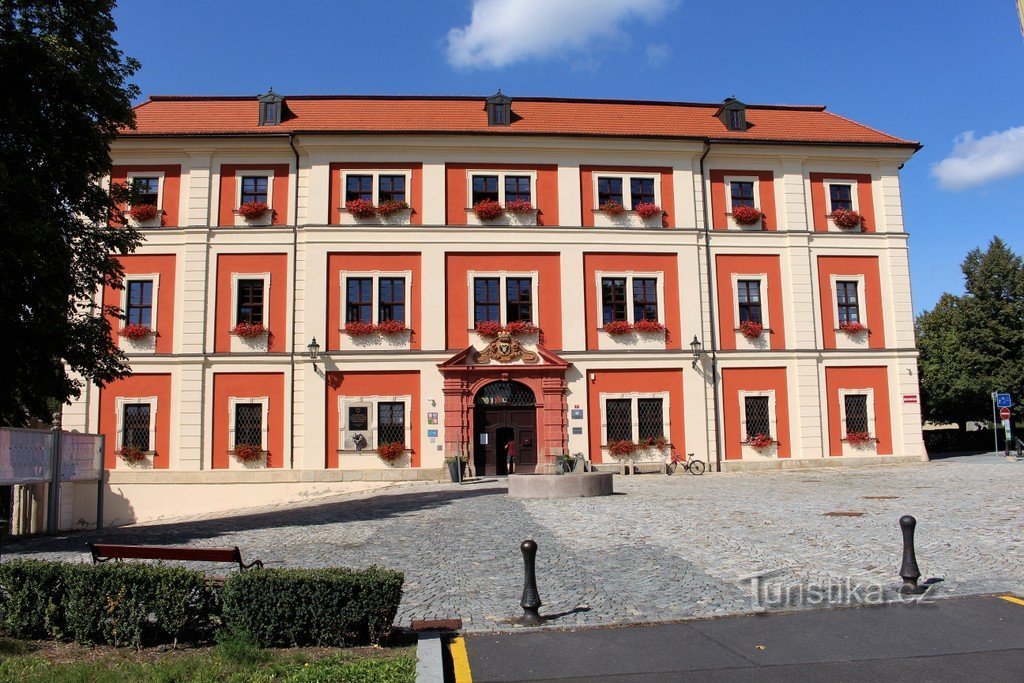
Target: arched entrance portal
[[504, 411]]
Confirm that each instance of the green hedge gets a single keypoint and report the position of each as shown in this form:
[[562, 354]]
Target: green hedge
[[134, 604], [340, 607]]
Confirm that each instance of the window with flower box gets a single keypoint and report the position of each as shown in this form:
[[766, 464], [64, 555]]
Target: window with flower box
[[629, 190], [138, 308], [741, 193], [136, 422], [391, 298], [146, 190], [391, 422], [613, 299], [634, 416], [254, 189], [609, 190], [847, 301], [757, 414], [250, 299], [641, 191], [645, 299], [247, 421], [359, 187], [501, 186], [485, 188], [375, 186], [749, 300], [391, 188], [840, 196], [359, 300], [630, 297], [857, 412], [518, 188], [375, 296], [503, 297]]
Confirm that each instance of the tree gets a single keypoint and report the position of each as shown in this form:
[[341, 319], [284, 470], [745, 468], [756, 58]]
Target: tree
[[972, 345], [66, 95]]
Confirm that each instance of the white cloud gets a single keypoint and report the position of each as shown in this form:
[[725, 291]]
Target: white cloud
[[976, 161], [658, 54], [503, 32]]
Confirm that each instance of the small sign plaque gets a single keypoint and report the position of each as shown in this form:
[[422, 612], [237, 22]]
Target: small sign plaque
[[577, 430], [1003, 401], [431, 433], [576, 413], [431, 418], [910, 398]]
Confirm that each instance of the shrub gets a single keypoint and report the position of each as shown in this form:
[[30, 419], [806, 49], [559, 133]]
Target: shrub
[[846, 218], [648, 326], [751, 329], [521, 327], [391, 327], [250, 211], [360, 208], [618, 327], [247, 452], [391, 206], [518, 206], [647, 209], [953, 440], [32, 599], [248, 330], [325, 607], [612, 208], [135, 331], [143, 212], [131, 454], [487, 209], [358, 329], [746, 215], [488, 328]]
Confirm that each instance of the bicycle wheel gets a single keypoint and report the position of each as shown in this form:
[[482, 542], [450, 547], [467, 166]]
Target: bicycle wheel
[[671, 469], [697, 467]]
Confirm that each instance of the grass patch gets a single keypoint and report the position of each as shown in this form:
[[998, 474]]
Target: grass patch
[[233, 659]]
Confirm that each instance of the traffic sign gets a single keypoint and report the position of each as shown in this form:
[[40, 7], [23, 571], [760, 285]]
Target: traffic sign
[[1003, 401], [1004, 413]]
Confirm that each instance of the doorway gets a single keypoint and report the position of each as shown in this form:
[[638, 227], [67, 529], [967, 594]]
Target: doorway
[[503, 412]]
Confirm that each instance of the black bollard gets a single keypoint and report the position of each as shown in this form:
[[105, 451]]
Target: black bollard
[[531, 598], [908, 570]]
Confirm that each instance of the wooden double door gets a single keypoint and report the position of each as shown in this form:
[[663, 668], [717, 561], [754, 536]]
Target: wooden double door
[[494, 427]]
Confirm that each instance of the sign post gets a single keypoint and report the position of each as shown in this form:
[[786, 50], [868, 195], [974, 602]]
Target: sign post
[[1002, 402]]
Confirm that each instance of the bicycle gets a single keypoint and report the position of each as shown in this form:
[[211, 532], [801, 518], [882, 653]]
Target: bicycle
[[689, 463]]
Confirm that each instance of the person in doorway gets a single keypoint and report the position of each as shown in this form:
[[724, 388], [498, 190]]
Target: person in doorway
[[510, 456]]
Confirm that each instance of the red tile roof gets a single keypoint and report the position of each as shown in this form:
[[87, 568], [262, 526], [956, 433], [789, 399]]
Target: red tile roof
[[174, 115]]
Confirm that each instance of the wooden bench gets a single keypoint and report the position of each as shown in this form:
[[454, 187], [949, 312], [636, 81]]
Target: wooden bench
[[101, 552]]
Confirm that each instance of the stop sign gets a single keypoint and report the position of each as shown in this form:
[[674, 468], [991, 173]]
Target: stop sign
[[1004, 413]]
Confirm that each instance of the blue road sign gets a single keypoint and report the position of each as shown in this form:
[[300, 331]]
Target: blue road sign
[[1003, 401]]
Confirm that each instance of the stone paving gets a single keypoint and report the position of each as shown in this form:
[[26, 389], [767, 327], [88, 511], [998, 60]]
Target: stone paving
[[662, 548]]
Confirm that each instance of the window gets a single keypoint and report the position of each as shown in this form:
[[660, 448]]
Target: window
[[486, 300], [613, 299], [139, 303], [249, 424], [391, 297], [735, 119], [485, 187], [250, 302], [145, 191], [391, 188], [518, 299], [645, 299], [641, 191], [390, 422], [748, 293], [841, 196], [847, 305], [609, 190], [359, 300], [254, 189], [856, 413], [359, 187], [517, 188], [619, 417], [650, 418], [135, 427], [758, 416], [742, 192], [270, 113]]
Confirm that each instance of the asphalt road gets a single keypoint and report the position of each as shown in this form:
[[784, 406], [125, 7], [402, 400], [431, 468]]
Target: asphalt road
[[975, 638]]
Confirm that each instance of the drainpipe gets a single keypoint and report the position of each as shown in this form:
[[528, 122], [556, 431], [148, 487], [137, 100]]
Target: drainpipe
[[295, 258], [711, 308]]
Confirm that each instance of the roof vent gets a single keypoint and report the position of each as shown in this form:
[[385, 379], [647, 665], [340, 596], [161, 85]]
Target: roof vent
[[733, 114], [499, 109], [271, 105]]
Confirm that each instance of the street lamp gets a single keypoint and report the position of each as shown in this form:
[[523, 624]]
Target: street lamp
[[313, 350], [695, 346]]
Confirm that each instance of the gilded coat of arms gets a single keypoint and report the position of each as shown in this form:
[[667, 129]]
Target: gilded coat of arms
[[505, 349]]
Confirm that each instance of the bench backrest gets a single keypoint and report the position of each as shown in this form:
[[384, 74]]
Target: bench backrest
[[155, 552]]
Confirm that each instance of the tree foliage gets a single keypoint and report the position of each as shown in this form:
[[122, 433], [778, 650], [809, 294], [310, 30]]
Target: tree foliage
[[66, 94], [972, 345]]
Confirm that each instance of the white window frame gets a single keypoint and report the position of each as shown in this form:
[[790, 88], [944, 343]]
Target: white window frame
[[763, 279], [862, 309], [829, 182], [373, 402], [729, 179], [843, 393], [119, 405], [159, 175], [502, 276], [376, 173], [634, 413], [250, 173], [375, 276], [264, 402], [501, 184], [772, 421], [629, 275], [235, 277], [627, 191], [142, 277]]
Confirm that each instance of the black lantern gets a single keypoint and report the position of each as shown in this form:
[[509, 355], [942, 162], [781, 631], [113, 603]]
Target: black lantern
[[695, 346], [313, 350]]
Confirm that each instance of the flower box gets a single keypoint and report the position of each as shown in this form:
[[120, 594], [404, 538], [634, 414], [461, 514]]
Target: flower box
[[518, 206], [143, 213], [648, 326], [135, 331], [253, 211], [487, 209], [248, 331], [390, 452], [622, 449], [858, 438], [521, 327], [747, 215], [647, 210], [618, 327], [759, 441], [847, 219], [853, 328], [488, 328], [358, 329], [132, 455], [751, 329], [385, 209], [658, 442], [612, 209], [361, 208], [391, 327], [248, 453]]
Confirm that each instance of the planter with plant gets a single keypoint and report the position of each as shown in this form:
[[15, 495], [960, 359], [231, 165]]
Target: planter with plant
[[521, 327], [143, 213], [361, 208], [847, 219], [621, 448], [656, 442], [852, 327], [487, 209], [858, 438], [518, 206], [647, 210], [759, 441], [649, 326], [751, 329], [252, 211], [247, 453], [488, 328], [617, 327], [135, 331], [248, 330], [612, 208], [390, 452], [387, 208], [391, 327], [358, 329], [746, 215], [456, 465], [131, 455]]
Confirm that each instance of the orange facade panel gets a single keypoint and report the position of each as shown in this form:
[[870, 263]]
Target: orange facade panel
[[229, 191], [737, 380], [864, 271], [820, 207], [170, 195], [765, 200], [273, 269], [229, 387], [362, 385], [458, 198], [641, 382], [731, 268], [162, 268], [138, 387], [875, 379], [341, 264]]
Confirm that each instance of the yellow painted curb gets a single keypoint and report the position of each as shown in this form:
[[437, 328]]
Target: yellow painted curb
[[1012, 598], [460, 660]]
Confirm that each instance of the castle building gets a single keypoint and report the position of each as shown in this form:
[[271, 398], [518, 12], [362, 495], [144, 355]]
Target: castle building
[[348, 288]]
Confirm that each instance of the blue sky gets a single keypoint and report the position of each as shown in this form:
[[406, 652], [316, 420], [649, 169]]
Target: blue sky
[[930, 71]]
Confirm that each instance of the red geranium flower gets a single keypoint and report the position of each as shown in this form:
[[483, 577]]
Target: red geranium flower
[[521, 327], [247, 330], [852, 328], [143, 212], [390, 452], [360, 208], [746, 215], [846, 218], [858, 438], [131, 454], [612, 208], [391, 327], [621, 448], [618, 327], [518, 206], [488, 328], [647, 209], [648, 326], [751, 329], [389, 207], [760, 441], [487, 209], [358, 328], [250, 211], [135, 331], [247, 452]]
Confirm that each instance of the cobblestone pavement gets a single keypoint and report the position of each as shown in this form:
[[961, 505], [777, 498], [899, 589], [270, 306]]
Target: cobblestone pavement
[[662, 548]]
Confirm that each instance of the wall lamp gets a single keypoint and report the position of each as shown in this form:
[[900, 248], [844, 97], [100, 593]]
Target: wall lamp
[[313, 353], [695, 347]]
